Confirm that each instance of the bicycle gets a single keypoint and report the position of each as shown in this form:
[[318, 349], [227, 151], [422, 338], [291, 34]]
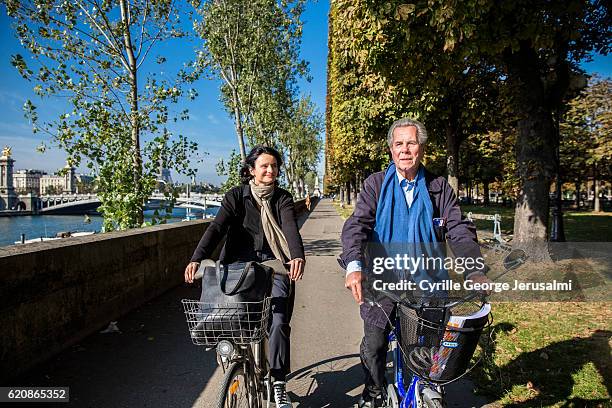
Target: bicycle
[[238, 332], [429, 347]]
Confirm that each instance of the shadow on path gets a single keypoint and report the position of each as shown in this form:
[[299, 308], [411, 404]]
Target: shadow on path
[[150, 363], [327, 383]]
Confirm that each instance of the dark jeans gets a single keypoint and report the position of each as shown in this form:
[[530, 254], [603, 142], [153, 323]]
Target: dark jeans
[[279, 353], [373, 353]]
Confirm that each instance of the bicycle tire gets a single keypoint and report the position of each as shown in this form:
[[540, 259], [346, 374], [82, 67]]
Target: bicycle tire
[[433, 403], [235, 379]]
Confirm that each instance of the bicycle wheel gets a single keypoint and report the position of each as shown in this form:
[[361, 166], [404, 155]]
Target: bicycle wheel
[[432, 399], [235, 389]]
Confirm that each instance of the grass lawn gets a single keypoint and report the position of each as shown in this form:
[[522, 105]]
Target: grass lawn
[[553, 354], [548, 355], [580, 226]]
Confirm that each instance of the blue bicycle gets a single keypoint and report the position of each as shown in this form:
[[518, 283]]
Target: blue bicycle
[[433, 339]]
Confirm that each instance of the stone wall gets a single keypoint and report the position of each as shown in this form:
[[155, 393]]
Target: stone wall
[[55, 293]]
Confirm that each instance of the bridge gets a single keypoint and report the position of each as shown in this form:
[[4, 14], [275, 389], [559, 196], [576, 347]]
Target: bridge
[[83, 203]]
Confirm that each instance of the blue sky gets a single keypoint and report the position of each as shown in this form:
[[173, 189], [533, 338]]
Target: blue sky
[[209, 124]]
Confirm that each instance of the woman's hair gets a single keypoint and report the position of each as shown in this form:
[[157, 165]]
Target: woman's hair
[[249, 163]]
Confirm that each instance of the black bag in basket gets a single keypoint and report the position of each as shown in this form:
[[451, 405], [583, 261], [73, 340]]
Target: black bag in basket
[[224, 288]]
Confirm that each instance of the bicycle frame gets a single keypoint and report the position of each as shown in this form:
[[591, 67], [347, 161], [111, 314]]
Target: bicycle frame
[[410, 398]]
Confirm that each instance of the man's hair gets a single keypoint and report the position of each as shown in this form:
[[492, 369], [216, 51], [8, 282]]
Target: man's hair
[[421, 132]]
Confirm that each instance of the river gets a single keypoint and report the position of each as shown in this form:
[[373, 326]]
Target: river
[[36, 226]]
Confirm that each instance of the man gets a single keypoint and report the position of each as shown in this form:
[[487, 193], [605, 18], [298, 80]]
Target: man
[[399, 205]]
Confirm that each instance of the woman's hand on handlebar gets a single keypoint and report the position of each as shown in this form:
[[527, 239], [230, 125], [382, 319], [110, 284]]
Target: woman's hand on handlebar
[[296, 268], [190, 271], [353, 283]]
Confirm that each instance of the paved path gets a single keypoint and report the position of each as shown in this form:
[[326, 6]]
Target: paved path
[[152, 362]]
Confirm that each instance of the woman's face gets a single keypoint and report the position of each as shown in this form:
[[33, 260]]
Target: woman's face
[[266, 170]]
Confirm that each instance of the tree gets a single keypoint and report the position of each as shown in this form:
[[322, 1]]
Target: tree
[[231, 169], [252, 47], [301, 144], [94, 54], [586, 135], [530, 48], [536, 46]]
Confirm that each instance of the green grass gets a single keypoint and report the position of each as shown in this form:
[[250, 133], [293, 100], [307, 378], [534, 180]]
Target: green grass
[[344, 212], [548, 354], [583, 226]]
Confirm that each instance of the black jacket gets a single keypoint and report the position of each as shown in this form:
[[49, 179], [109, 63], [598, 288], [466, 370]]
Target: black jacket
[[240, 219]]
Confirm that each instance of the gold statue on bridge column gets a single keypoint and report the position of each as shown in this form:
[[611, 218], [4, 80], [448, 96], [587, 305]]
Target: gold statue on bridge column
[[6, 152]]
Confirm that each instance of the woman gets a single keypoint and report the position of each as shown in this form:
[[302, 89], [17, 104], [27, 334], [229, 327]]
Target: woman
[[259, 220]]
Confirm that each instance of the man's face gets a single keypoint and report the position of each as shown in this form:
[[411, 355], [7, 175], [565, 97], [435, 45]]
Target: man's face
[[406, 151]]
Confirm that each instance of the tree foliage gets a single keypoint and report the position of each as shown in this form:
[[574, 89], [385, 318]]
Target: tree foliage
[[463, 68], [252, 46], [300, 143], [586, 132], [94, 54]]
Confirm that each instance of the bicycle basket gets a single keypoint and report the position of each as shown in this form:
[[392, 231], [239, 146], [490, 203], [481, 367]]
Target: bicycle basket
[[242, 322], [438, 343]]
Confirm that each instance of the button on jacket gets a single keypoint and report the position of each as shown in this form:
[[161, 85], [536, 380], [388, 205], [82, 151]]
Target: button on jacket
[[239, 217]]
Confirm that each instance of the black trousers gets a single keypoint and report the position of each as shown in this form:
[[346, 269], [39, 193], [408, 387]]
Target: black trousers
[[373, 353], [279, 344]]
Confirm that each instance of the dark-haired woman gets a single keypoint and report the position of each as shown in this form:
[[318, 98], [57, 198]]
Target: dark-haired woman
[[259, 220]]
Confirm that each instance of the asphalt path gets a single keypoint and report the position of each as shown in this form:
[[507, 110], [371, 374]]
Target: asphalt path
[[151, 362]]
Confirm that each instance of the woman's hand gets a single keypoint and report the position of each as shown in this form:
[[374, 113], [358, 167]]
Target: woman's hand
[[190, 271], [296, 268]]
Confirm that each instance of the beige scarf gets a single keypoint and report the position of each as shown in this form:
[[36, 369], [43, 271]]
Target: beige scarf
[[274, 234]]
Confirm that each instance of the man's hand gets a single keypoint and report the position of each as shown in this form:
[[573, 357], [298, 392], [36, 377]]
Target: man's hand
[[296, 268], [190, 271], [353, 283], [481, 278]]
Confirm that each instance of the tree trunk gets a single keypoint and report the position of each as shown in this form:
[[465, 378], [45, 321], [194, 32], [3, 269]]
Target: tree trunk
[[133, 98], [238, 124], [535, 151], [485, 185], [452, 156], [348, 193], [355, 189], [577, 184], [596, 206]]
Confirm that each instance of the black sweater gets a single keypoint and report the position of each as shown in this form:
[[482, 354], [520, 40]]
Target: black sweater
[[240, 219]]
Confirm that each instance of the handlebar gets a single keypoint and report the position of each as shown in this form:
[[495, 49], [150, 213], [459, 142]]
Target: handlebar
[[514, 259], [413, 305]]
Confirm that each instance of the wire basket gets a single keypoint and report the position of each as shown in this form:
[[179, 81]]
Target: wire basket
[[433, 349], [243, 322]]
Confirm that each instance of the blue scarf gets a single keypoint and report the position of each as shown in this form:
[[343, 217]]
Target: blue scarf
[[407, 230]]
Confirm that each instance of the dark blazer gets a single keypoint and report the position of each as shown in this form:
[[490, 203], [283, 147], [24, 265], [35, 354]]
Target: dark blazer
[[240, 219], [459, 232]]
